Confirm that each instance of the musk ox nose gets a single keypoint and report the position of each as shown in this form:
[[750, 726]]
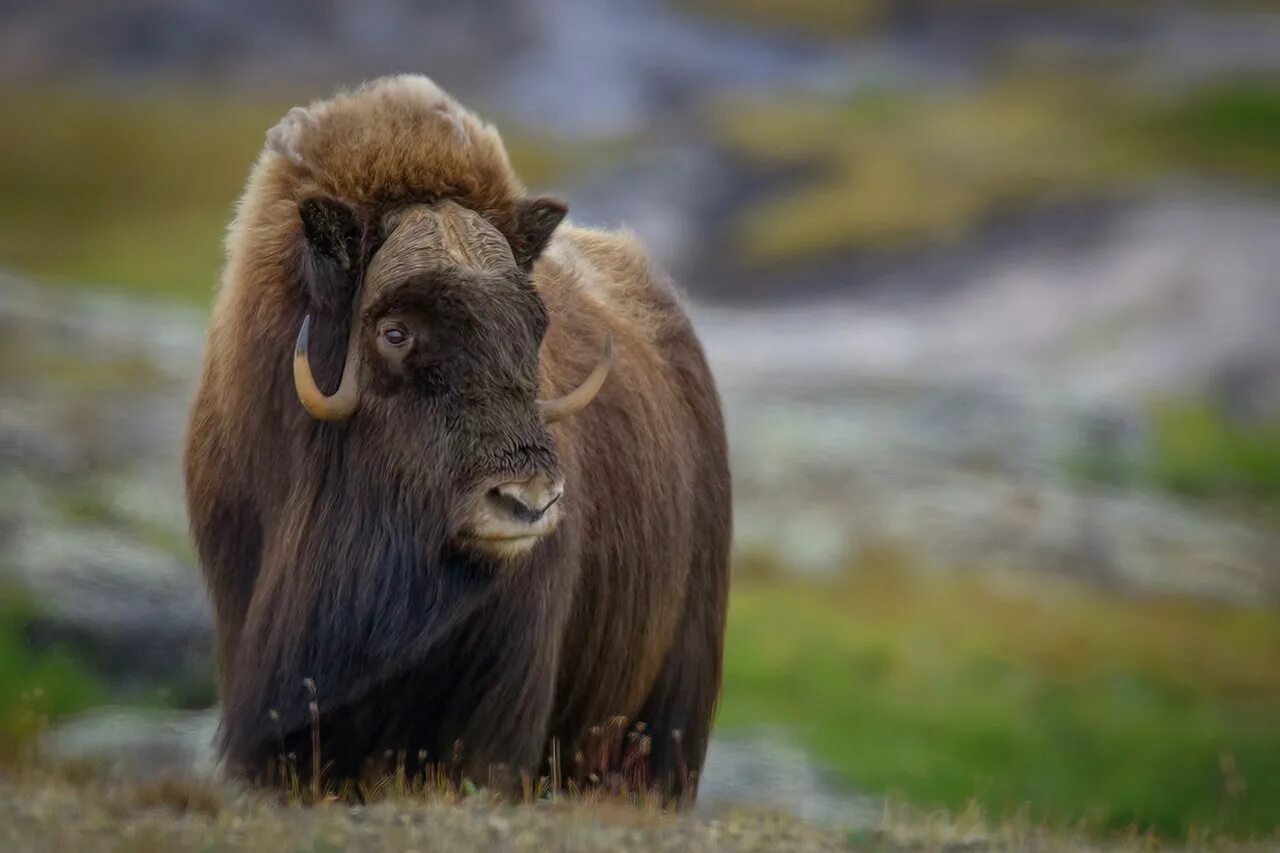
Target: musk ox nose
[[508, 519], [527, 500]]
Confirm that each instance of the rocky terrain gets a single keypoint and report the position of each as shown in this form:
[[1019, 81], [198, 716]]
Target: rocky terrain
[[945, 421]]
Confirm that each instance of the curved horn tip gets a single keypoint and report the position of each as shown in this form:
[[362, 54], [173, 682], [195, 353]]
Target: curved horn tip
[[579, 398], [343, 402], [304, 337]]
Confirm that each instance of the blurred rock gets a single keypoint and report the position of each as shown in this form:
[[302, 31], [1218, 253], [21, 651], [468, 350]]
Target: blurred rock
[[585, 67], [91, 512], [576, 67], [942, 417], [137, 614], [764, 769], [137, 744], [662, 194]]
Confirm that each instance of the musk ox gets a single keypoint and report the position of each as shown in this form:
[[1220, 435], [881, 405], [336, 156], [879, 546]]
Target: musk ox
[[456, 472]]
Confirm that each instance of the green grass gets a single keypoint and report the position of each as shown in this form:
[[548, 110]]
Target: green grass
[[1202, 454], [124, 191], [135, 191], [893, 168], [1233, 128], [1199, 453], [35, 686], [1019, 693]]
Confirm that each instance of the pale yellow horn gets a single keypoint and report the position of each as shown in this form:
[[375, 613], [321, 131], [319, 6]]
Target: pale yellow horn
[[577, 399], [343, 402]]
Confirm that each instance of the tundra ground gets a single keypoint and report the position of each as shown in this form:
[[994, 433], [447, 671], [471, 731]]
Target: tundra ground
[[42, 811]]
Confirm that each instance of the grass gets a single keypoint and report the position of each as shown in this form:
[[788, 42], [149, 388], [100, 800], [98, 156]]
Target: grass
[[134, 191], [35, 686], [76, 807], [124, 191], [892, 168], [1019, 693], [41, 810], [1198, 452], [1233, 128], [896, 168]]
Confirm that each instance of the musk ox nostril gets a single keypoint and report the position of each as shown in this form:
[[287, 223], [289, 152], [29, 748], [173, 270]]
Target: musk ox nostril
[[527, 500]]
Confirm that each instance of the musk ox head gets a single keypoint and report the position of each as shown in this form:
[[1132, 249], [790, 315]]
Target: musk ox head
[[442, 355]]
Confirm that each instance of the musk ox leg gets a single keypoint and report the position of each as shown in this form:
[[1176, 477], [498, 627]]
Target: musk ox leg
[[677, 715], [496, 689], [476, 705]]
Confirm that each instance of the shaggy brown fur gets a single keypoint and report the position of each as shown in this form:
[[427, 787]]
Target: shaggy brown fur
[[331, 549]]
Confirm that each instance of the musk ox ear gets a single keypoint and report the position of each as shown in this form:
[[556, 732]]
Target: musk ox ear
[[333, 230], [536, 220]]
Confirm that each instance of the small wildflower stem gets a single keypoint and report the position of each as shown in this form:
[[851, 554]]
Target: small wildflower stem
[[314, 708]]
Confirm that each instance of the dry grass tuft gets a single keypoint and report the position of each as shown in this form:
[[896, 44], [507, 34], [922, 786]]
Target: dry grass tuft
[[41, 810]]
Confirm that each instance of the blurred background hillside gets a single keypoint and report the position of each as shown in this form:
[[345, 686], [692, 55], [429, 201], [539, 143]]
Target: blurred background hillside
[[992, 289]]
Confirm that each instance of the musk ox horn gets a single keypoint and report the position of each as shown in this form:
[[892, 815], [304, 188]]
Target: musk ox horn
[[343, 402], [577, 399]]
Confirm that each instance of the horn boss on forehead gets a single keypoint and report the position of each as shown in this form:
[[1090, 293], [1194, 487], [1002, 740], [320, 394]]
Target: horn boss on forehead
[[448, 237]]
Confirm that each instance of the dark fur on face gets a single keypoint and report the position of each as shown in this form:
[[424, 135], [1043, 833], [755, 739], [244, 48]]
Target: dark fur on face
[[449, 330], [360, 555]]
